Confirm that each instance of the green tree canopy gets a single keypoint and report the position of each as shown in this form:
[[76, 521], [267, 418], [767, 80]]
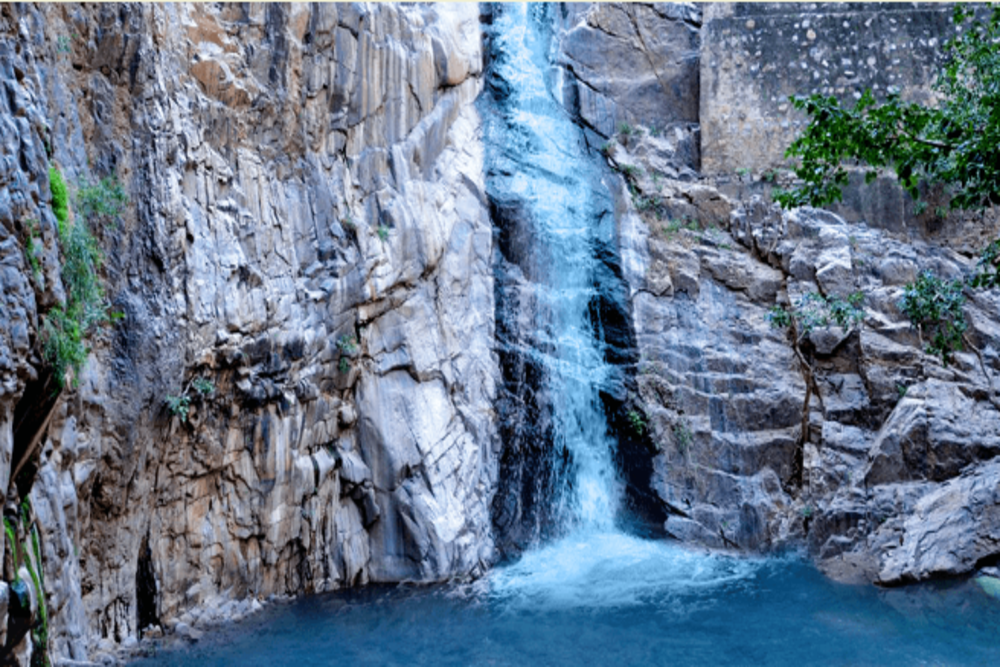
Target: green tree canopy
[[955, 142]]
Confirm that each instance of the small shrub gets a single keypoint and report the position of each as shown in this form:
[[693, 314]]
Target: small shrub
[[179, 405], [606, 149], [770, 176], [625, 129], [348, 345], [344, 365], [65, 327], [637, 421], [901, 390], [383, 232], [103, 200], [630, 171], [935, 306], [31, 251], [203, 386], [683, 437], [815, 310], [60, 197], [779, 318]]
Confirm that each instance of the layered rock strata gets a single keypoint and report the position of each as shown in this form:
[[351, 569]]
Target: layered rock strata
[[304, 258]]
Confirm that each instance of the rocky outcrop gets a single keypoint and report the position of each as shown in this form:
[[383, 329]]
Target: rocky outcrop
[[886, 468], [304, 262], [631, 64]]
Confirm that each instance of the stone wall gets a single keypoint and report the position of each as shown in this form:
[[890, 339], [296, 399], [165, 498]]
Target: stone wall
[[755, 55]]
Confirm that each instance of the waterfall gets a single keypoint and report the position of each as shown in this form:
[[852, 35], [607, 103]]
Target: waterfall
[[559, 493], [540, 167]]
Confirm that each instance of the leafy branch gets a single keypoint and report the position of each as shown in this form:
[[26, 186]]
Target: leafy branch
[[956, 143]]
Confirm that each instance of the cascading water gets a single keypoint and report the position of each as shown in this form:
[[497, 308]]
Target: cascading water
[[554, 217], [540, 167]]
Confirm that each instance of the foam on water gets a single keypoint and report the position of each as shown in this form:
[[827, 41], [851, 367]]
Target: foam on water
[[610, 569]]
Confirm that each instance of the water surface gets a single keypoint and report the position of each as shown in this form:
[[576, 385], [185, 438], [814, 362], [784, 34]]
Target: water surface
[[613, 600]]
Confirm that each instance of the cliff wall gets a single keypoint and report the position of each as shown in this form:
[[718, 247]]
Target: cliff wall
[[306, 233], [298, 389]]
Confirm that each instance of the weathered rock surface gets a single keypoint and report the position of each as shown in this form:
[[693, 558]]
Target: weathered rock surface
[[634, 63], [888, 472], [306, 231]]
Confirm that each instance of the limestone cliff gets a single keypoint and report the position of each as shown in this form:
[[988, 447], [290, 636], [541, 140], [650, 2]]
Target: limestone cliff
[[306, 235]]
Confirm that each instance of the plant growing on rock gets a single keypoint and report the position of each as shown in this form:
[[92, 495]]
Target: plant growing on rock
[[180, 405], [813, 311], [31, 251], [65, 328], [383, 233], [682, 436], [935, 307], [955, 143], [637, 421]]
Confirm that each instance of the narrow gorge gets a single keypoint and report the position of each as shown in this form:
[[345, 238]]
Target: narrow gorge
[[437, 333]]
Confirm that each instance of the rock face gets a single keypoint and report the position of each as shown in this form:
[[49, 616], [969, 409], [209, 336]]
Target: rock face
[[855, 444], [886, 469], [305, 259], [299, 388]]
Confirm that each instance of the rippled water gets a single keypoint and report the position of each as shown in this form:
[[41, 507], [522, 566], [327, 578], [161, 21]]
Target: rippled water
[[613, 600]]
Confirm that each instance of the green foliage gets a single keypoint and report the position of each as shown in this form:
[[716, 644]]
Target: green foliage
[[383, 232], [348, 222], [179, 405], [101, 201], [630, 171], [60, 197], [32, 249], [606, 148], [815, 310], [807, 511], [988, 271], [347, 345], [770, 176], [743, 172], [625, 129], [779, 317], [956, 143], [344, 365], [11, 531], [40, 633], [682, 436], [203, 386], [66, 326], [637, 421], [935, 307], [901, 389]]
